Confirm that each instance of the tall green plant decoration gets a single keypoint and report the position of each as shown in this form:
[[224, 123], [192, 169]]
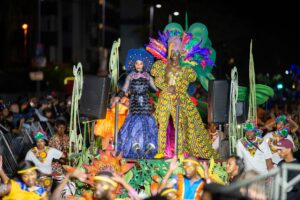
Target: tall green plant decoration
[[114, 65], [232, 129], [76, 140], [252, 93]]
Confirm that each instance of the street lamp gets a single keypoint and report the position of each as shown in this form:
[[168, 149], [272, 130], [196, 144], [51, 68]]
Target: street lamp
[[25, 28], [176, 13], [152, 17], [158, 6], [151, 20]]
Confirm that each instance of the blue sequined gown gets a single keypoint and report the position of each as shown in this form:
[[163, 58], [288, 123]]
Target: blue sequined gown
[[139, 130]]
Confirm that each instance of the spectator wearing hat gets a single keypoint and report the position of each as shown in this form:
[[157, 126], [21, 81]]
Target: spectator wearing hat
[[285, 150], [283, 121], [42, 156], [254, 150], [273, 137]]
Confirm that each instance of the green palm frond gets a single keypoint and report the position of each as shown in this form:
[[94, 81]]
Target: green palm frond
[[263, 93]]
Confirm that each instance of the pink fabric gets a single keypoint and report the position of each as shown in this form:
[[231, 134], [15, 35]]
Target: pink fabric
[[169, 150]]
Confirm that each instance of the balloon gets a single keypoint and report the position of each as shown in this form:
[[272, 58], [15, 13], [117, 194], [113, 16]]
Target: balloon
[[199, 31], [174, 26]]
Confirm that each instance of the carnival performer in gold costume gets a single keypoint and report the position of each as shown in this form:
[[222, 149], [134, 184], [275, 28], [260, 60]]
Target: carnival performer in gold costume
[[173, 79]]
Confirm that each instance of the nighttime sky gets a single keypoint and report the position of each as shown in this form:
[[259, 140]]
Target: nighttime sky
[[231, 26]]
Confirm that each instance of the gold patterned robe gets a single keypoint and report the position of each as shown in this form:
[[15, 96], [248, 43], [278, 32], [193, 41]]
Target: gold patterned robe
[[193, 138]]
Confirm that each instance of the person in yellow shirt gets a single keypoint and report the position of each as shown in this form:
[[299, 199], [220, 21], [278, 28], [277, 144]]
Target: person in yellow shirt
[[27, 181], [13, 191]]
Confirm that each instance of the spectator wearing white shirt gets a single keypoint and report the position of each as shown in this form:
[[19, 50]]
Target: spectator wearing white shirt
[[254, 150], [42, 156]]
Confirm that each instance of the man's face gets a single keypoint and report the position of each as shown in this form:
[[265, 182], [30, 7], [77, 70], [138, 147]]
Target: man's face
[[250, 135], [283, 153], [174, 55], [40, 144], [190, 169]]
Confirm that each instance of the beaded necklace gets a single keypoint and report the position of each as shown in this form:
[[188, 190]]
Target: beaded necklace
[[40, 155], [250, 147]]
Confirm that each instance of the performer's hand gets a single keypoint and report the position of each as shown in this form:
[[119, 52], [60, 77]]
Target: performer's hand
[[79, 174], [125, 101], [116, 99], [173, 164], [205, 166], [118, 178]]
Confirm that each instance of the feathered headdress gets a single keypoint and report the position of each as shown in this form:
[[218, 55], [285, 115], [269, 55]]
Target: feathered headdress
[[138, 54], [192, 51]]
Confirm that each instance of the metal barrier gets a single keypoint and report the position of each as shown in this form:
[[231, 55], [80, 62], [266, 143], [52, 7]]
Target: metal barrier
[[14, 147], [10, 163], [274, 185]]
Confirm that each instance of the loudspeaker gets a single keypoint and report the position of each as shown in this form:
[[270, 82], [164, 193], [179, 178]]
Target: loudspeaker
[[241, 109], [94, 98], [218, 101]]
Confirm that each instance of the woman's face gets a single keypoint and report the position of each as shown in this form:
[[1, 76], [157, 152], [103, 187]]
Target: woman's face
[[139, 65], [40, 144], [231, 165], [29, 177]]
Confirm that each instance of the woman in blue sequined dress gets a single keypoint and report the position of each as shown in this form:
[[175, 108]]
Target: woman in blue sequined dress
[[138, 136]]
